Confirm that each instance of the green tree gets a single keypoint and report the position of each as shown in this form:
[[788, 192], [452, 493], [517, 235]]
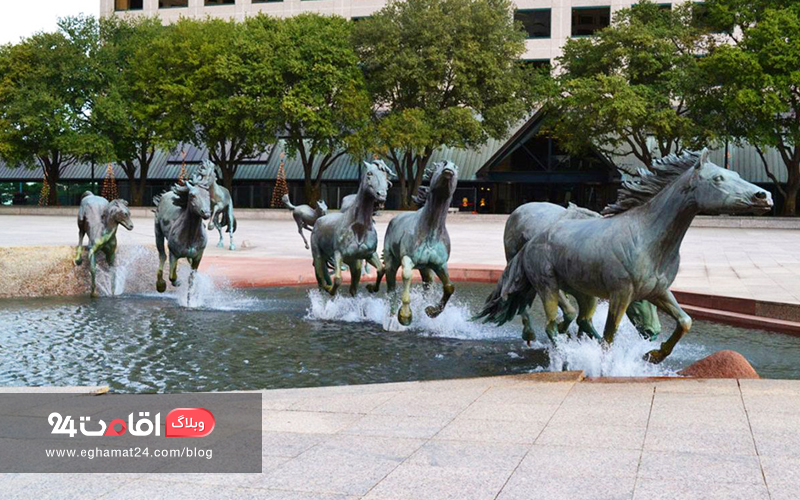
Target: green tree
[[625, 91], [322, 101], [127, 111], [47, 83], [441, 73], [218, 88], [751, 87]]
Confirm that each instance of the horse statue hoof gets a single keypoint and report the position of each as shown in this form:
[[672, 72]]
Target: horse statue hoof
[[232, 247], [176, 283], [371, 288], [655, 356], [528, 335], [404, 316], [161, 286], [433, 311], [220, 244], [78, 261], [93, 294]]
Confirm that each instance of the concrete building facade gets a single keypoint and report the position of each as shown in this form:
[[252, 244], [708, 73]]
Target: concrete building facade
[[549, 23]]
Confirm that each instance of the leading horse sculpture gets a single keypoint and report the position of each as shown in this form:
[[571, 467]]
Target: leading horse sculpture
[[527, 222], [633, 252], [179, 218], [349, 236], [419, 240], [98, 218]]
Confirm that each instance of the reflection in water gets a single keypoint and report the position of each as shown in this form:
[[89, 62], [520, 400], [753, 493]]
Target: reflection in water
[[290, 337]]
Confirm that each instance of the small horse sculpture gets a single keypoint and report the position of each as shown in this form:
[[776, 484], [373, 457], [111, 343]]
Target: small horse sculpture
[[221, 205], [349, 236], [633, 252], [179, 218], [526, 223], [98, 218], [305, 216], [419, 240]]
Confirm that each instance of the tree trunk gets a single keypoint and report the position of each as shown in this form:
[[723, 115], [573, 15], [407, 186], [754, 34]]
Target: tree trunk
[[227, 177], [311, 192], [790, 200], [137, 192], [52, 174]]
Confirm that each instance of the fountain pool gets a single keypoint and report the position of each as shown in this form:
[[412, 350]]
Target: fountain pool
[[295, 337]]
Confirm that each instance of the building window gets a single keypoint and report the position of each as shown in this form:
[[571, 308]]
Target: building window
[[266, 1], [356, 19], [128, 4], [168, 4], [220, 2], [535, 21], [586, 21]]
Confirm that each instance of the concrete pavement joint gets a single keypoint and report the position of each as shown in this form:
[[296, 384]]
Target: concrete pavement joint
[[753, 436], [641, 453]]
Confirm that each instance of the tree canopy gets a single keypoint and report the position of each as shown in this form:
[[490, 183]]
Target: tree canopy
[[441, 73]]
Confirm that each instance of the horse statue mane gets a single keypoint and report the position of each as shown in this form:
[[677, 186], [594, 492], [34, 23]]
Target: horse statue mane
[[183, 190], [648, 182]]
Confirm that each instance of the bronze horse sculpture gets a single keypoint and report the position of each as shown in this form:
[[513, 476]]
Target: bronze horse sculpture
[[349, 236], [221, 206], [419, 240], [526, 223], [305, 216], [99, 218], [179, 218], [630, 254]]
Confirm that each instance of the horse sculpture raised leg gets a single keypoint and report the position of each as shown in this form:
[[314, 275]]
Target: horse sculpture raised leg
[[179, 219], [305, 216], [221, 206], [349, 237], [526, 223], [632, 253], [98, 218], [419, 240]]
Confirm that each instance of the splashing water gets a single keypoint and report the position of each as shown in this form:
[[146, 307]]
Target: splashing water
[[135, 271], [623, 359], [454, 322]]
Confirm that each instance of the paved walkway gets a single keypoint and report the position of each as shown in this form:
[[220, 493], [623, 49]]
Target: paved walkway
[[504, 438], [761, 264]]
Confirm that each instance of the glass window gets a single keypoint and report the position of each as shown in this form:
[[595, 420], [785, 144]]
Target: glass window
[[168, 4], [266, 1], [586, 21], [536, 22], [128, 4], [220, 2]]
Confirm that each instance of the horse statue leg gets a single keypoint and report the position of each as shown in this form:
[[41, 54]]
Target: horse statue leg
[[221, 242], [667, 303], [375, 260], [355, 275], [587, 305], [92, 271], [110, 251], [161, 285], [448, 289], [617, 305], [79, 250], [549, 299], [173, 270], [231, 225], [195, 263], [644, 316], [568, 312], [404, 315], [427, 275]]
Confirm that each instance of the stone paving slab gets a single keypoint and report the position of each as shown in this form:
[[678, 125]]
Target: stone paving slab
[[574, 440]]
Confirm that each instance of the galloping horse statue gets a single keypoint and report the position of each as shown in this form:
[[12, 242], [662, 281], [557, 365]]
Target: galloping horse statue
[[221, 205], [305, 216], [633, 252], [179, 218], [526, 223], [98, 218], [419, 240], [349, 236]]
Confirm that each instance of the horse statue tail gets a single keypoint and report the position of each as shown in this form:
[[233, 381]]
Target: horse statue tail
[[86, 193], [511, 295], [285, 200], [224, 221]]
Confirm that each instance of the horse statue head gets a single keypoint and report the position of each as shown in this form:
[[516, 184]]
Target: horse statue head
[[705, 186], [322, 208], [442, 180], [207, 173], [117, 211], [720, 191], [194, 196], [375, 181]]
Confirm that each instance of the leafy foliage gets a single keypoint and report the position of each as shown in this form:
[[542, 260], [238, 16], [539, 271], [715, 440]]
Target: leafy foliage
[[441, 72]]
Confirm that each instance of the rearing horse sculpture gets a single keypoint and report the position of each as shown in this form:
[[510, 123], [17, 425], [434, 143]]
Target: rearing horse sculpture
[[419, 240], [179, 218], [526, 223], [633, 252], [221, 205], [349, 236]]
